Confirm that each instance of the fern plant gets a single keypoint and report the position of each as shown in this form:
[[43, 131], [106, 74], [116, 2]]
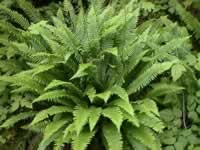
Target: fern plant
[[12, 25], [13, 22], [87, 79]]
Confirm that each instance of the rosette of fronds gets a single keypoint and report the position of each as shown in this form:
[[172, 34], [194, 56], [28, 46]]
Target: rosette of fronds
[[87, 79]]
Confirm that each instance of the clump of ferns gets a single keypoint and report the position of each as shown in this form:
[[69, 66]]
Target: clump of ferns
[[83, 79]]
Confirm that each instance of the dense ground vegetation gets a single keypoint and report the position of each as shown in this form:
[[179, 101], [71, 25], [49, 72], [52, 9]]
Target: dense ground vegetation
[[91, 74]]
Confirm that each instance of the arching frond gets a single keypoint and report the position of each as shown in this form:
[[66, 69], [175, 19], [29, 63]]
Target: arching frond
[[14, 119], [115, 115], [81, 116], [49, 112], [15, 16], [112, 136], [81, 141], [148, 76]]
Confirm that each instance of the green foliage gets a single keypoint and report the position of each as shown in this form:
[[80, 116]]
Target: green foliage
[[180, 112], [49, 112], [112, 136], [148, 76], [17, 106], [144, 135], [191, 22], [29, 10], [16, 17], [97, 75], [185, 9], [14, 119], [50, 131]]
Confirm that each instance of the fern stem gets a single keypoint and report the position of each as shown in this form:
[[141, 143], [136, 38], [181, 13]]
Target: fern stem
[[184, 112]]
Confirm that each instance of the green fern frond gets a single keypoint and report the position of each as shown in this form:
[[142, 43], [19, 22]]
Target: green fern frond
[[47, 32], [80, 27], [105, 15], [83, 70], [112, 136], [49, 112], [44, 58], [67, 34], [23, 49], [69, 133], [7, 27], [15, 16], [58, 143], [69, 85], [51, 95], [164, 88], [115, 115], [38, 128], [43, 145], [103, 96], [42, 68], [51, 130], [151, 121], [29, 9], [14, 119], [94, 117], [69, 9], [143, 135], [134, 49], [93, 33], [24, 81], [10, 66], [43, 28], [21, 90], [191, 22], [81, 116], [149, 75], [125, 105], [111, 51], [90, 91], [121, 92], [134, 60], [81, 141], [133, 119]]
